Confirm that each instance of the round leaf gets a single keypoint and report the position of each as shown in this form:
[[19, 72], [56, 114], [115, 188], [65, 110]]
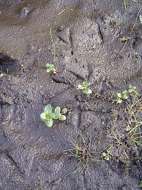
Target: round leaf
[[49, 123], [89, 91], [64, 110], [43, 116], [62, 118], [119, 95]]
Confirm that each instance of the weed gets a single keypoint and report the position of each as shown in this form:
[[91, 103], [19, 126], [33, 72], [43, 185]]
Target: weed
[[82, 151], [106, 155], [131, 92], [122, 96], [51, 68], [130, 135], [50, 114], [133, 128], [85, 88]]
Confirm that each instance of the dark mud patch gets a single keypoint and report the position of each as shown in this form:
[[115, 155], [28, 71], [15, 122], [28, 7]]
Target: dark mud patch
[[99, 41], [8, 65]]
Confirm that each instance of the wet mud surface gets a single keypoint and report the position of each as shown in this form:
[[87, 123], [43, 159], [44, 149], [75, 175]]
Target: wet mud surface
[[83, 38]]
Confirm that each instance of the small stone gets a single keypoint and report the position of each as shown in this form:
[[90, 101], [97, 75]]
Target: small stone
[[25, 11]]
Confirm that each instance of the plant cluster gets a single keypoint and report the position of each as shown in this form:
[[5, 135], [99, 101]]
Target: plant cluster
[[106, 155], [130, 135], [85, 88], [50, 114], [131, 92], [80, 153], [134, 122], [51, 68]]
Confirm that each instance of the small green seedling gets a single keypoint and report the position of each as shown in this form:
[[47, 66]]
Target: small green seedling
[[50, 114], [133, 91], [78, 151], [85, 88], [124, 95], [106, 155], [51, 68], [81, 153]]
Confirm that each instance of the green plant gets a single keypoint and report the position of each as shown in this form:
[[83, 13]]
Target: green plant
[[80, 153], [85, 88], [81, 150], [51, 68], [122, 96], [127, 136], [134, 124], [106, 155], [126, 94], [50, 114]]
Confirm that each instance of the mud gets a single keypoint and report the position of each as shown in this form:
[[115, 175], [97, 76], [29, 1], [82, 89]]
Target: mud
[[83, 38]]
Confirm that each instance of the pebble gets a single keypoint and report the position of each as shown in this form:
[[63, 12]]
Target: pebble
[[25, 12]]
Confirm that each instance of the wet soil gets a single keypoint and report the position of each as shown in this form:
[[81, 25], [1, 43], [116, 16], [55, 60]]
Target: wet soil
[[83, 38]]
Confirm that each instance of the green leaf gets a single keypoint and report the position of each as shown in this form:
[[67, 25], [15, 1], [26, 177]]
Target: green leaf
[[48, 108], [125, 96], [57, 110], [89, 91], [80, 87], [57, 113], [119, 101], [125, 92], [50, 68], [119, 95], [64, 110], [62, 118], [49, 123], [43, 116]]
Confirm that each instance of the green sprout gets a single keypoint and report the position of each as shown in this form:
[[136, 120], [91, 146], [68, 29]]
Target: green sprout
[[50, 114], [82, 153], [122, 96], [106, 155], [85, 88], [126, 94], [133, 91], [78, 151], [51, 68]]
